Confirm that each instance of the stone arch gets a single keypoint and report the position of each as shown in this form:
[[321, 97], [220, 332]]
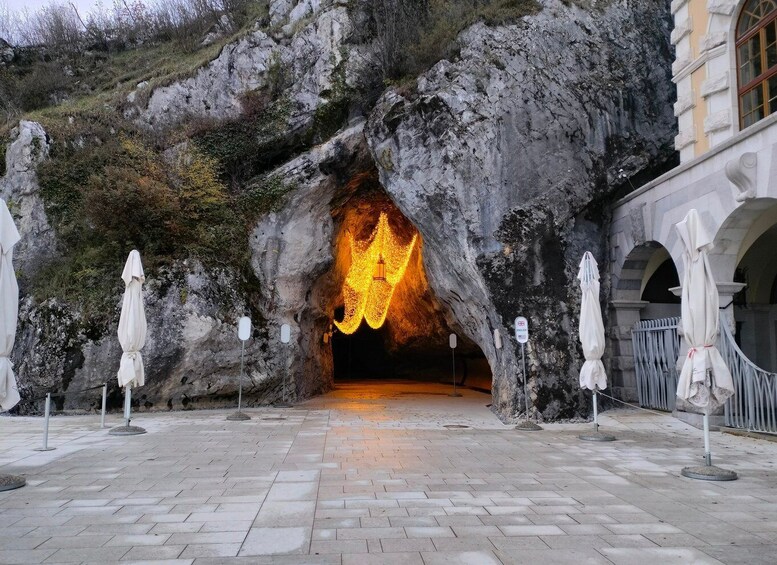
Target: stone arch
[[743, 256], [640, 264], [738, 232]]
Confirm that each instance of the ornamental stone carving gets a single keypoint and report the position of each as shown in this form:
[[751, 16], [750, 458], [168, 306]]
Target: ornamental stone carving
[[723, 7], [716, 83], [741, 172]]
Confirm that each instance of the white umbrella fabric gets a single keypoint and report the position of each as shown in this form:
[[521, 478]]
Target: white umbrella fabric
[[591, 330], [9, 308], [9, 312], [132, 323], [705, 380], [132, 337]]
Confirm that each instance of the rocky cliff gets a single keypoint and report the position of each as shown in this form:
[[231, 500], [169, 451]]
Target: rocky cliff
[[503, 156]]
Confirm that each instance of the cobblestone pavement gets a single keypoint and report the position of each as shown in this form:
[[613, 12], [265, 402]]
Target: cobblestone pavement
[[369, 474]]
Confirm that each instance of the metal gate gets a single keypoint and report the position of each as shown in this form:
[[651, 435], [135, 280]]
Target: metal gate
[[656, 348], [754, 404]]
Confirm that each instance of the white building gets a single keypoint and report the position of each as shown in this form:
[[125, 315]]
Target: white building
[[726, 75]]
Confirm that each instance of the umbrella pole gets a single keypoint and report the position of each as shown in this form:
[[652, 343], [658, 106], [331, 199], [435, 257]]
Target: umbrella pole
[[126, 429], [127, 403], [597, 435], [708, 471]]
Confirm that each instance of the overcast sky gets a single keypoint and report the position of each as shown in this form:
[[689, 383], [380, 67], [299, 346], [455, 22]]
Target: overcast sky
[[84, 6]]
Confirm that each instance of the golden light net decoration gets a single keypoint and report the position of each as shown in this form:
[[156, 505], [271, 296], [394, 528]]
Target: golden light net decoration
[[365, 295]]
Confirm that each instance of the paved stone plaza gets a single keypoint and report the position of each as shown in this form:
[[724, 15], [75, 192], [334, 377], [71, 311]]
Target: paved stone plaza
[[370, 474]]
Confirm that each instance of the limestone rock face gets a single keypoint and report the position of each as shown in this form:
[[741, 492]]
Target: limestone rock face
[[305, 60], [191, 356], [19, 188], [502, 160]]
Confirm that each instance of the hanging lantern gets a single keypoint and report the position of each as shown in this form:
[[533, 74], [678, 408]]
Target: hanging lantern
[[380, 270]]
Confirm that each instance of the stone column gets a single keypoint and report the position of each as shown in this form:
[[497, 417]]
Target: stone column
[[726, 292], [623, 379]]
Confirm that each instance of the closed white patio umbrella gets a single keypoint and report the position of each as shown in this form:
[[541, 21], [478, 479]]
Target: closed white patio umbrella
[[591, 330], [705, 380], [132, 337], [9, 312]]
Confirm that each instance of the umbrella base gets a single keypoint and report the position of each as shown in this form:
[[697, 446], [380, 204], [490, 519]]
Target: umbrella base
[[596, 436], [10, 482], [527, 426], [44, 449], [708, 473], [455, 394], [126, 431], [238, 417], [282, 405]]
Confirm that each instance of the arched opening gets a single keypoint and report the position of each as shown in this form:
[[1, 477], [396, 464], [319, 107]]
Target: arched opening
[[660, 276], [647, 275], [755, 307], [401, 330], [641, 291]]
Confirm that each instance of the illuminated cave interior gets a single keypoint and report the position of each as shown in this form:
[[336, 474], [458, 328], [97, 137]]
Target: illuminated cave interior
[[386, 322]]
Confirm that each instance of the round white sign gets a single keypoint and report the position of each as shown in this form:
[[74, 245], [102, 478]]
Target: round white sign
[[244, 328], [521, 329], [285, 333], [452, 341]]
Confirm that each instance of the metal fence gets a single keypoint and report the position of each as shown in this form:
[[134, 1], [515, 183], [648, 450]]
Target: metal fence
[[656, 347], [754, 404]]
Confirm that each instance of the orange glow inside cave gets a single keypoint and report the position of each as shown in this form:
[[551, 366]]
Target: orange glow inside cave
[[377, 265]]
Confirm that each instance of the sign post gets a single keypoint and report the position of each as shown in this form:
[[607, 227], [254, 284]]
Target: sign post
[[243, 333], [452, 344], [285, 339], [522, 337]]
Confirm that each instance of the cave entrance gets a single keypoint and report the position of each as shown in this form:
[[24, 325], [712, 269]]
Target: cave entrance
[[386, 323]]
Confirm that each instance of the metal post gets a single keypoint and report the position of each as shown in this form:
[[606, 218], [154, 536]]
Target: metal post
[[240, 380], [708, 471], [707, 454], [453, 358], [127, 404], [525, 387], [526, 425], [596, 412], [126, 429], [47, 414], [105, 401]]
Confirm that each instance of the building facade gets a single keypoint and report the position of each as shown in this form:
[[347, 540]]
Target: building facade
[[726, 75]]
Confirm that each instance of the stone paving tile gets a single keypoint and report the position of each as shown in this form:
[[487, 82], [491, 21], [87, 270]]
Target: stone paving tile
[[196, 550], [145, 553], [80, 554], [663, 555], [383, 559], [460, 558], [272, 541], [583, 556], [13, 556]]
